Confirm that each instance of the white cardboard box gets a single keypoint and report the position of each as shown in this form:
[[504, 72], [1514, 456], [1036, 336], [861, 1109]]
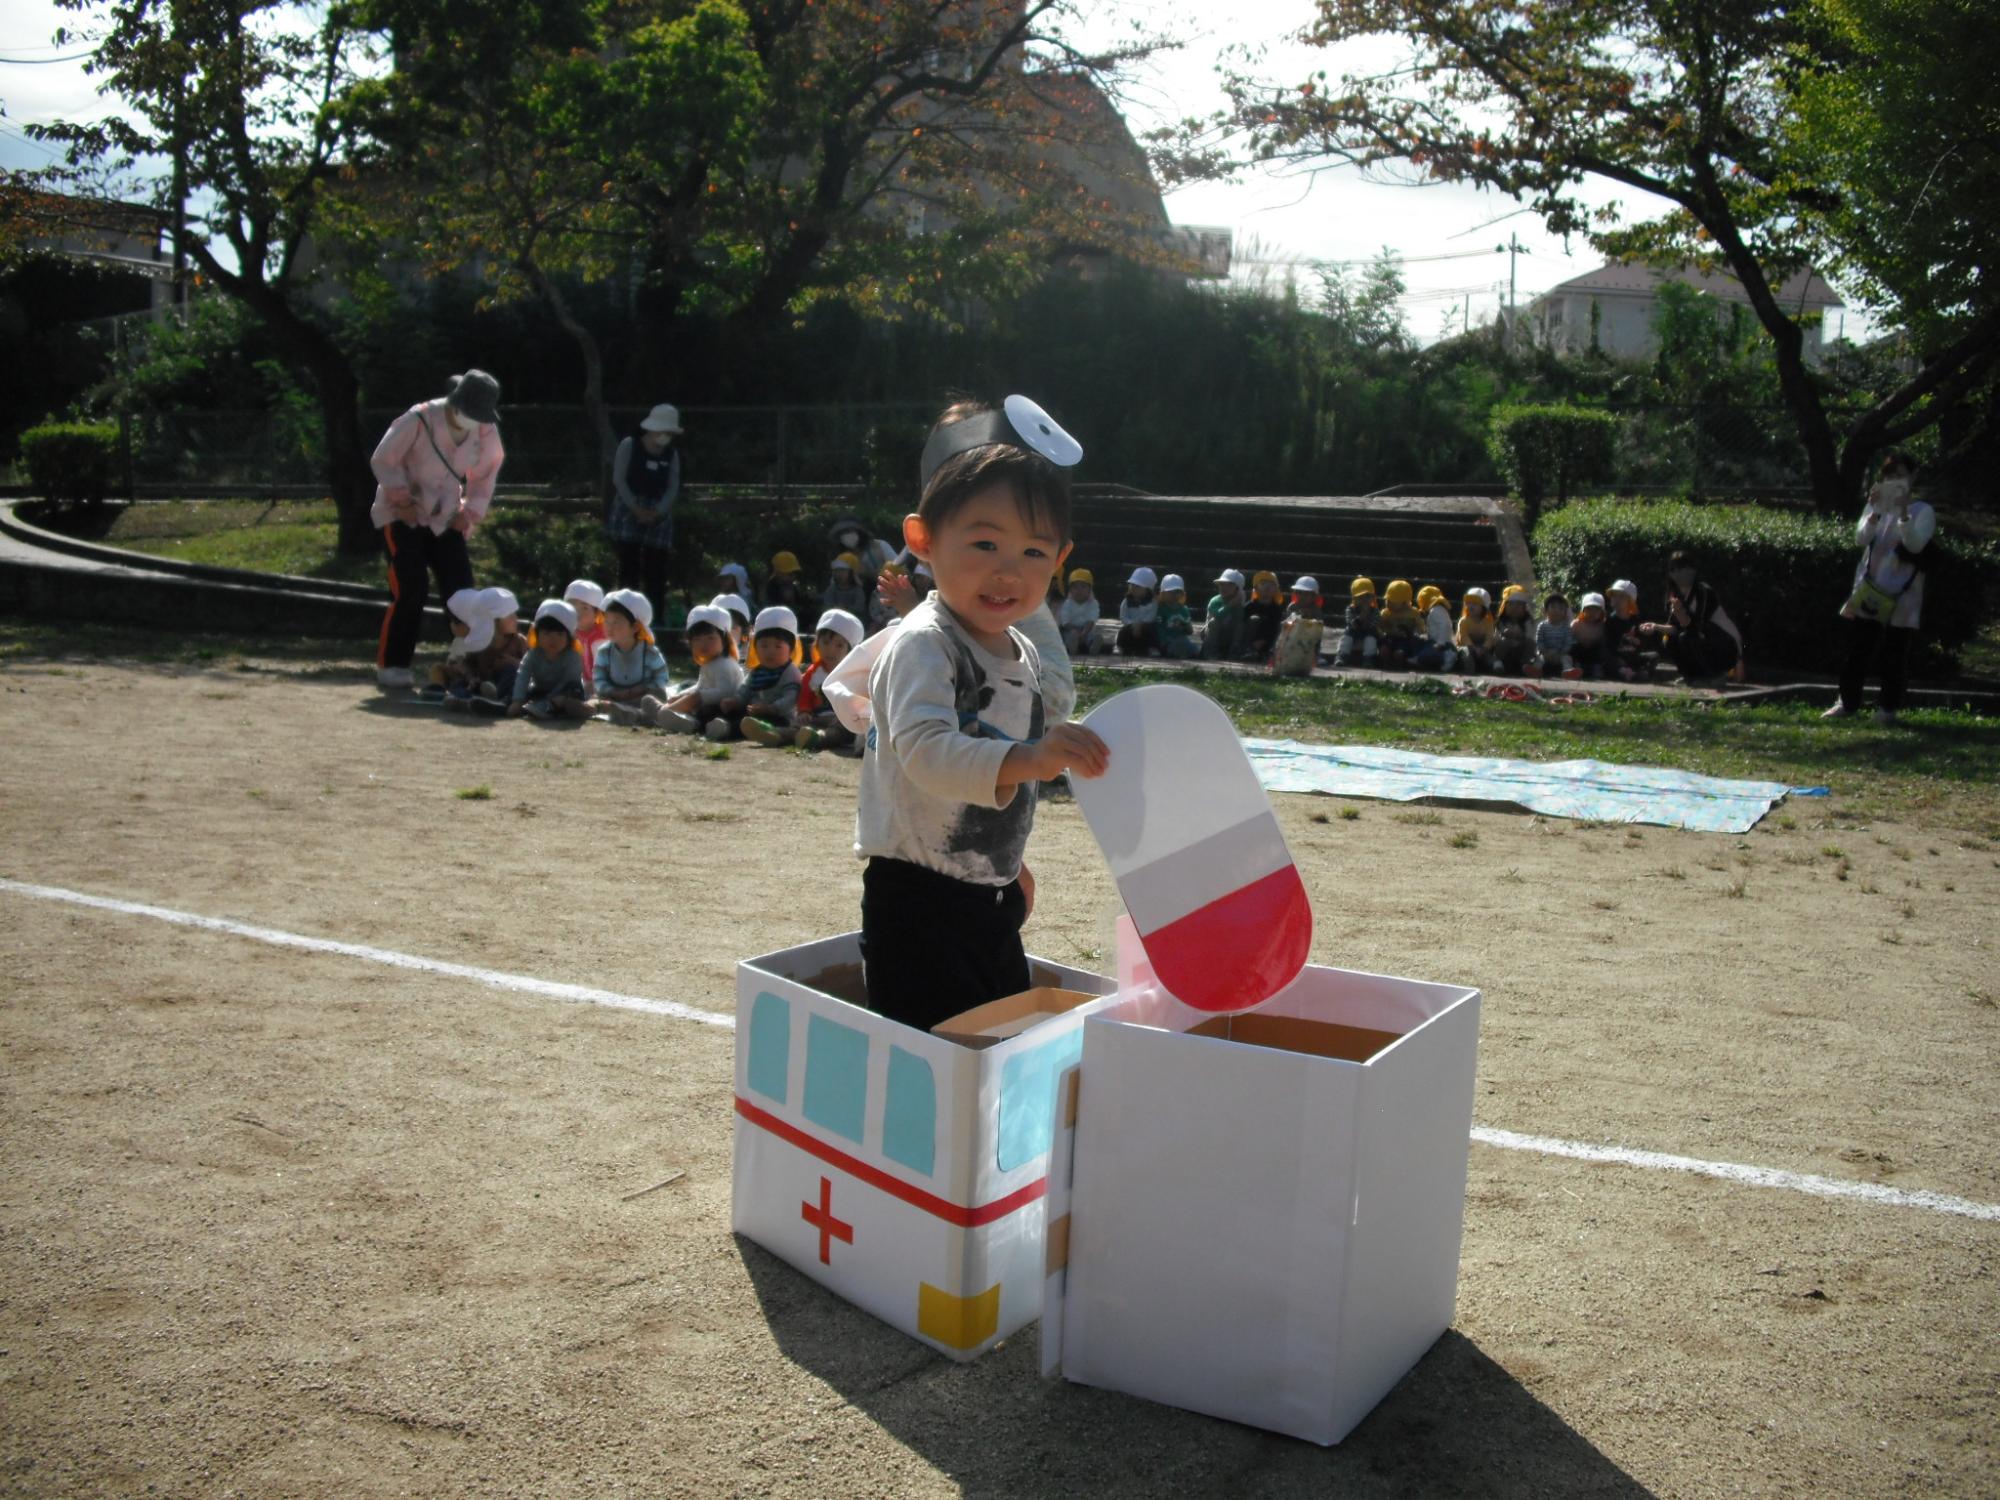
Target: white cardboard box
[[1253, 1231], [902, 1171]]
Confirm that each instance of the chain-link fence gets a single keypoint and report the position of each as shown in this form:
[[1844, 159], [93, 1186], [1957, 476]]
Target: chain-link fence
[[1703, 451]]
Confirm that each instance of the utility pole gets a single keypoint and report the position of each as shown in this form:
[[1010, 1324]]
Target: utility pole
[[1513, 249]]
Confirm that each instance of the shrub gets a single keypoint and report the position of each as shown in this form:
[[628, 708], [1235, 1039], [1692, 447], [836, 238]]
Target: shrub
[[1549, 450], [1783, 575], [71, 461], [538, 554]]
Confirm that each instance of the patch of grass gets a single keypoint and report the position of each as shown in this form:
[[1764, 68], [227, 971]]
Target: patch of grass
[[1983, 999], [1832, 851], [480, 793], [716, 752], [1737, 891], [1787, 822], [1673, 872], [1420, 819], [1349, 814], [1465, 838], [257, 793], [1319, 817], [1892, 938], [1603, 904], [1842, 870]]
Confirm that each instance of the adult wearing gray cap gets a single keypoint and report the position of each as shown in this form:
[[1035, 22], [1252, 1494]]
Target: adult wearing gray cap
[[645, 483], [435, 469]]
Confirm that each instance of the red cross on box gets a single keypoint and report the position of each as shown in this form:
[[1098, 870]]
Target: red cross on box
[[822, 1219]]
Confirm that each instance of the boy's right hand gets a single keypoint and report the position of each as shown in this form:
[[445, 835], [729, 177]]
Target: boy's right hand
[[1071, 747]]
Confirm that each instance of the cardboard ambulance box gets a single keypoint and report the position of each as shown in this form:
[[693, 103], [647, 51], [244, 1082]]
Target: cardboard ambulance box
[[904, 1171], [1258, 1215]]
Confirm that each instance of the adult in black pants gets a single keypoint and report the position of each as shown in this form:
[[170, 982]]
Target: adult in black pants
[[1699, 635], [1886, 601], [435, 469], [645, 483]]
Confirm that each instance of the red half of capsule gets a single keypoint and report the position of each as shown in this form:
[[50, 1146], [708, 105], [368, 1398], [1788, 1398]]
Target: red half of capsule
[[1237, 951]]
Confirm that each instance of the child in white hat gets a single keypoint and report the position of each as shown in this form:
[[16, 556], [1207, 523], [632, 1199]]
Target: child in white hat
[[1299, 638], [587, 599], [738, 607], [1176, 621], [1139, 615], [1222, 636], [818, 727], [1474, 633], [460, 611], [549, 683], [769, 701], [494, 647], [1621, 628], [630, 666], [1590, 639], [719, 675]]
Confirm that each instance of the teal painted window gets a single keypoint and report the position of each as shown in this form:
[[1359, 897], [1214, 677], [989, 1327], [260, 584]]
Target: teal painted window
[[909, 1115], [836, 1076], [770, 1045], [1028, 1098]]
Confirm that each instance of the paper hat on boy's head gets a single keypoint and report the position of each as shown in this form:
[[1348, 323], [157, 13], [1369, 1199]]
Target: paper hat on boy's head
[[848, 627], [583, 591], [1230, 575], [1592, 600], [712, 615], [560, 612], [1361, 588], [1082, 575], [499, 603], [734, 603], [776, 617], [1173, 583], [1626, 587], [634, 603], [1307, 584], [1019, 422], [1144, 578]]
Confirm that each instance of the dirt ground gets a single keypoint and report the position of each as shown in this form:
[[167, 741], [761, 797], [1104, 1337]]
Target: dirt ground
[[286, 1223]]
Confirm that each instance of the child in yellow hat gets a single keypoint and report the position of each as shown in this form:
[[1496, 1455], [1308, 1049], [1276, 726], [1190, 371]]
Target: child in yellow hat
[[1079, 613], [1364, 625], [1474, 636], [1261, 617], [1402, 627], [1514, 635]]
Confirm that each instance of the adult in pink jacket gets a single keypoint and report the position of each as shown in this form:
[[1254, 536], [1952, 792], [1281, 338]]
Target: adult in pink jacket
[[434, 474]]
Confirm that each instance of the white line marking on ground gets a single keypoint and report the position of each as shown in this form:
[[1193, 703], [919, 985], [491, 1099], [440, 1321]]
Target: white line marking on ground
[[578, 994], [1729, 1171], [1506, 1140]]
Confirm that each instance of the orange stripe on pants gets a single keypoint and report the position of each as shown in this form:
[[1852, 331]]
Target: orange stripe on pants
[[395, 598]]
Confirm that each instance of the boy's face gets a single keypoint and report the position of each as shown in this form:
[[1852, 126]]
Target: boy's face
[[704, 644], [623, 632], [507, 625], [1267, 590], [1170, 597], [588, 616], [1555, 611], [1592, 614], [1080, 592], [843, 575], [458, 627], [991, 566], [552, 639], [1230, 592], [833, 648], [773, 649], [1134, 592]]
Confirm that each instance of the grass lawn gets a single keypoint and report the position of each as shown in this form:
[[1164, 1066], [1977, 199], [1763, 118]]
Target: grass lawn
[[276, 536], [1940, 769]]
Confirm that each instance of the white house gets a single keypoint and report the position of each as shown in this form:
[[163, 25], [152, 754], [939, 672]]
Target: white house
[[1614, 304]]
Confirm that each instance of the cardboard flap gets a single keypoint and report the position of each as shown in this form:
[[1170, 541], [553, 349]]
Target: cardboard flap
[[1009, 1016]]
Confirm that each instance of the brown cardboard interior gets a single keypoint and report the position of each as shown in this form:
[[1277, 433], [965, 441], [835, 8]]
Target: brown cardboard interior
[[1292, 1034], [842, 981], [997, 1020]]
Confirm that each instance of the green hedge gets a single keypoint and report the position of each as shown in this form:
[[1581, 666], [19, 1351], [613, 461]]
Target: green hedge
[[1783, 574], [1545, 452], [71, 461]]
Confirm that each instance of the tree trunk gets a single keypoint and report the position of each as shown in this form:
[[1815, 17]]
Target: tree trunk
[[594, 405]]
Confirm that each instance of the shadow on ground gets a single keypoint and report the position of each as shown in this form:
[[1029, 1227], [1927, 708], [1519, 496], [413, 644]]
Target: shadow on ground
[[1458, 1423]]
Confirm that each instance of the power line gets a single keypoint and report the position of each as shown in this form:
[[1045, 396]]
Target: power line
[[43, 62]]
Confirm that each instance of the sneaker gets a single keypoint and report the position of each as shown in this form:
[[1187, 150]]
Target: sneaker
[[631, 715], [719, 730], [394, 677], [1838, 711], [1885, 716], [489, 691], [806, 739], [539, 708], [762, 733]]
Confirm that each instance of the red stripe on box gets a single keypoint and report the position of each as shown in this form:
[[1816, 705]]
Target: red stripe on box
[[916, 1197]]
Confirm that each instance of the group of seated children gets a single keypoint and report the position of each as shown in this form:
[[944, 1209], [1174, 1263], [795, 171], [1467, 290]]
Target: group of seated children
[[1155, 619], [1416, 633], [591, 653]]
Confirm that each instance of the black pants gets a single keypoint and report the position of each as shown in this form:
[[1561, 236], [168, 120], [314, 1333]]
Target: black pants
[[645, 569], [932, 946], [1703, 652], [1864, 637], [415, 552]]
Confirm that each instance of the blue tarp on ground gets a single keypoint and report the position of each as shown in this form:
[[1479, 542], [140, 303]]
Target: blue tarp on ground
[[1589, 789]]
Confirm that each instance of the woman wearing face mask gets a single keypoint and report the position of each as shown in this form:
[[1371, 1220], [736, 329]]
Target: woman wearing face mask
[[645, 483], [1887, 600], [435, 469]]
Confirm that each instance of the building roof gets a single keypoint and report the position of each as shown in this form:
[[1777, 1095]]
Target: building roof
[[1803, 290]]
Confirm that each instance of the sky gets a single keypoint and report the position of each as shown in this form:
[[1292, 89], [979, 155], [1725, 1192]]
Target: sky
[[1284, 220]]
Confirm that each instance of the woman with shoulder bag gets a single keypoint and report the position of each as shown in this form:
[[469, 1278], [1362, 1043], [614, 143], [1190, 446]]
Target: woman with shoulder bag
[[645, 483], [1887, 600]]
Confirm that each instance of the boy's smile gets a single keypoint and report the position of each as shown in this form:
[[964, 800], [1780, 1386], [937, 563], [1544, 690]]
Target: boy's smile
[[992, 566]]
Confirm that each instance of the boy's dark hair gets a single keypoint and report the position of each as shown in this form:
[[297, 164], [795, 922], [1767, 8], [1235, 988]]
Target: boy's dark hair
[[621, 609], [772, 630], [1681, 560], [1041, 489], [1554, 599]]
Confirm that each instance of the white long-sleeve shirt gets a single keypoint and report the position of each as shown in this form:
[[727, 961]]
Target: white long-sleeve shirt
[[945, 713], [1881, 527], [406, 460]]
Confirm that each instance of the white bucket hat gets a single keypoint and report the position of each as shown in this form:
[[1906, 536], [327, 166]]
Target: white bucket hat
[[583, 591], [775, 617], [557, 610], [1145, 578], [735, 604], [1306, 585], [709, 614], [499, 603], [1173, 583], [469, 608], [636, 604], [737, 571], [1481, 595], [1626, 587], [848, 627], [1230, 575], [662, 418], [1592, 599]]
